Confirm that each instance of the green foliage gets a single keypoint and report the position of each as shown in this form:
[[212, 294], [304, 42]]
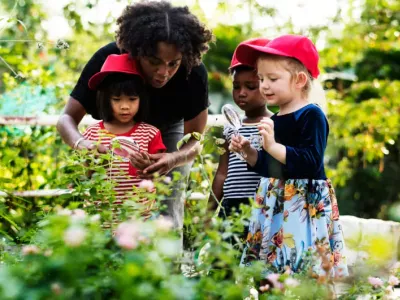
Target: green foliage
[[363, 149]]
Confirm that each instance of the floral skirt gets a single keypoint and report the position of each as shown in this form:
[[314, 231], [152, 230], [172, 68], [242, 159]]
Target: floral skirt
[[292, 218]]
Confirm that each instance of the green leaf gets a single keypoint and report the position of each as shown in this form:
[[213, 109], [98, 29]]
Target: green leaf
[[288, 240], [184, 140]]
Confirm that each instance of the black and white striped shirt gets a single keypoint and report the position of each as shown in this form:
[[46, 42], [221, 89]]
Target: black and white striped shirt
[[240, 182]]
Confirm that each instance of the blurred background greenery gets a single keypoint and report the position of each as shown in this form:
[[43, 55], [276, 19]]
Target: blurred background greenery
[[359, 46]]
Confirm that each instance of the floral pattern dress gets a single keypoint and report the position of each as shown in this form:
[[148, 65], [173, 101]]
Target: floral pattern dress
[[291, 217]]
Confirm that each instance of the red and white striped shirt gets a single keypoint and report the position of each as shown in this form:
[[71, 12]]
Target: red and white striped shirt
[[121, 171]]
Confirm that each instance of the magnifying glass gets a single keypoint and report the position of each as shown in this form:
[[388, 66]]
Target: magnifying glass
[[124, 146], [234, 120]]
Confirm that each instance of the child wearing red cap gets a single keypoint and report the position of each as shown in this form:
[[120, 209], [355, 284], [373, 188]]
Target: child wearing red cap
[[121, 102], [233, 182], [296, 207]]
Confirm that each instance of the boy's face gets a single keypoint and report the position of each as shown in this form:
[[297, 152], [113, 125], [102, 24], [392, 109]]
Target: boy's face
[[245, 90]]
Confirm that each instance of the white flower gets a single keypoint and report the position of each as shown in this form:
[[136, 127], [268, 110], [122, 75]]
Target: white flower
[[393, 280], [204, 184], [74, 236], [169, 247], [30, 249], [375, 281], [291, 282], [389, 290], [219, 141], [167, 180], [56, 288], [64, 212], [78, 215], [195, 219], [147, 185], [95, 218], [164, 224], [364, 297], [197, 196], [264, 288]]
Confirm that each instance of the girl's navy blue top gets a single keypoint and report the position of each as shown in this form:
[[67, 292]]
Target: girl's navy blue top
[[304, 133]]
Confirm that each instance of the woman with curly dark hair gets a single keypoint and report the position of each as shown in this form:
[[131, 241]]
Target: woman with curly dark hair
[[168, 42]]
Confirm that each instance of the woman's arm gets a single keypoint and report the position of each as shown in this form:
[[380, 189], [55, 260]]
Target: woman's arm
[[67, 126]]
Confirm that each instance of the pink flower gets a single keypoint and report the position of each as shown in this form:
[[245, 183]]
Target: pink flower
[[393, 280], [147, 185], [130, 228], [127, 235], [274, 279], [375, 281], [30, 249], [126, 242], [74, 236]]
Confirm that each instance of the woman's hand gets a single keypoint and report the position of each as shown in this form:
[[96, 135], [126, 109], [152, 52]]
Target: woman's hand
[[140, 160], [162, 163], [92, 145]]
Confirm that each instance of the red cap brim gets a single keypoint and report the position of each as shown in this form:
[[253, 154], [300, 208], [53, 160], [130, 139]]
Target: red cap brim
[[250, 53], [97, 78]]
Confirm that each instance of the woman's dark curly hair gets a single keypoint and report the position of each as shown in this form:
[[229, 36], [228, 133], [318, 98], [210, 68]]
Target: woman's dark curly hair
[[144, 24]]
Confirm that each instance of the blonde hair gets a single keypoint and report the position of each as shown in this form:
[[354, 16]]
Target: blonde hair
[[312, 90]]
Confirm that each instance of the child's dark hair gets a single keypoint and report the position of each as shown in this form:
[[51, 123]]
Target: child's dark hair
[[142, 25], [117, 84], [240, 68]]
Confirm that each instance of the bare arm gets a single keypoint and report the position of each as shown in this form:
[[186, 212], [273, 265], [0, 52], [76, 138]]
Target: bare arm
[[219, 179], [67, 125]]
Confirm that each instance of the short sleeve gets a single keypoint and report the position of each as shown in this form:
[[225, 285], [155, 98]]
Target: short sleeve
[[87, 134], [156, 145], [81, 92], [198, 90]]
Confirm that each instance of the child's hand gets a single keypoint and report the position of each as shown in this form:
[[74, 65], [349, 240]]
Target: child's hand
[[239, 144], [140, 160], [267, 132]]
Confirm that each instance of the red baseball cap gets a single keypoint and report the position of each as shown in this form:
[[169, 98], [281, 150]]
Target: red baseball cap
[[256, 42], [296, 46], [115, 63]]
